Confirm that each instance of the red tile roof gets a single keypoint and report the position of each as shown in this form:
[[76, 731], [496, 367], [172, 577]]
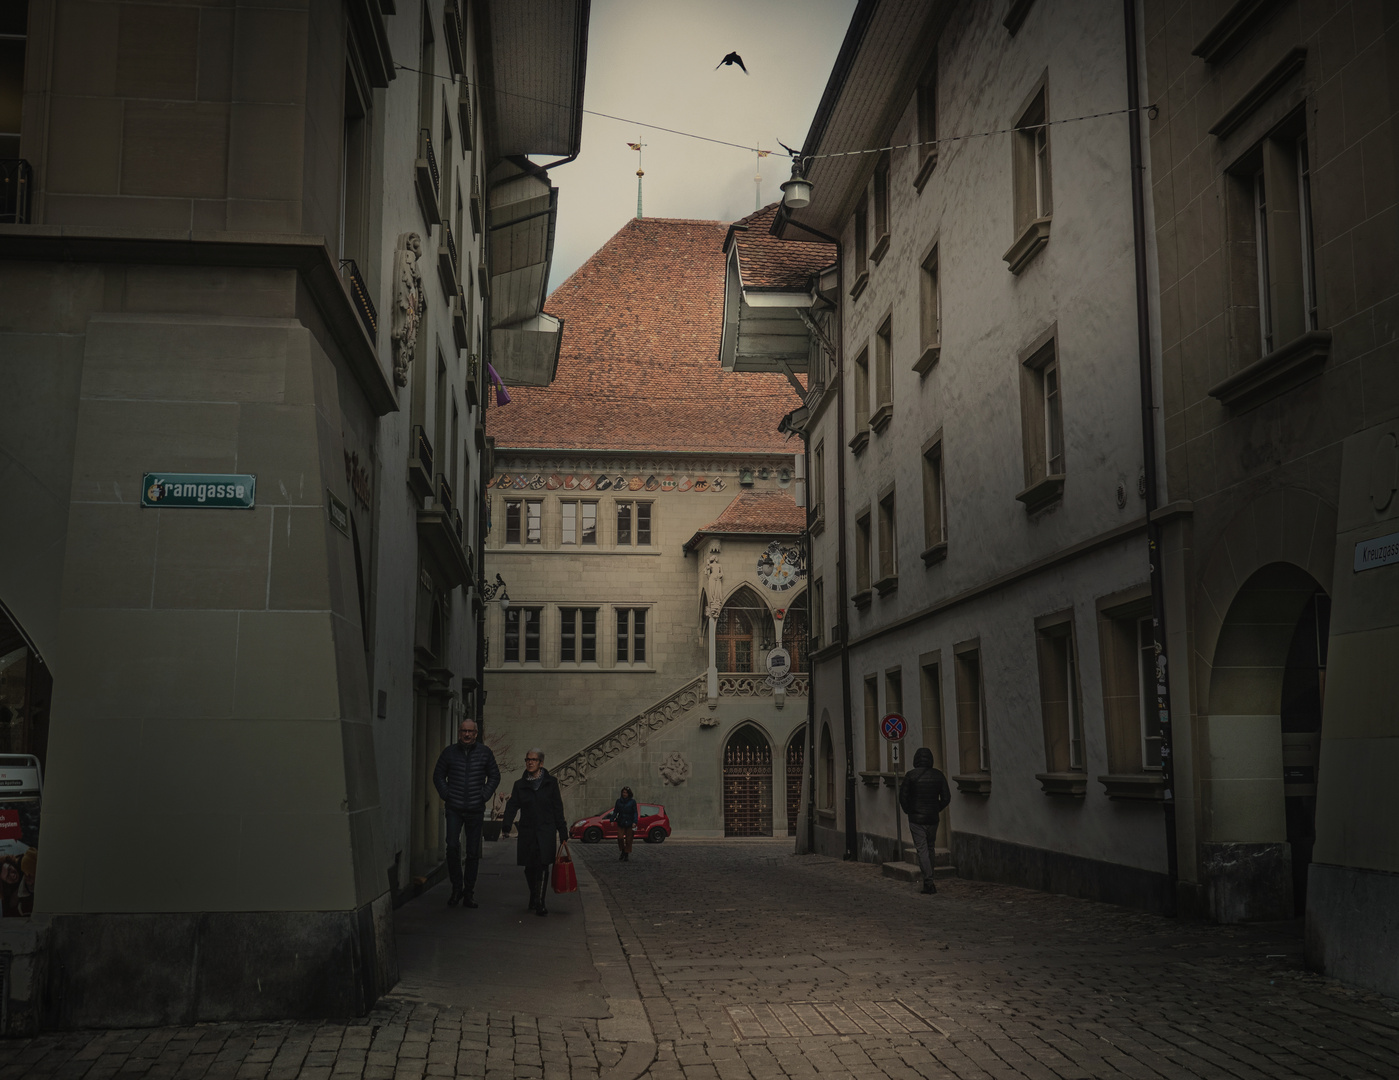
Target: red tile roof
[[760, 512], [639, 365], [765, 262]]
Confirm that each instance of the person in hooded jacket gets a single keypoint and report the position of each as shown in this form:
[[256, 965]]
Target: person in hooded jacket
[[539, 803], [625, 817], [924, 795]]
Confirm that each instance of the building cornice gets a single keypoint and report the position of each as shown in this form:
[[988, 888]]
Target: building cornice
[[307, 255]]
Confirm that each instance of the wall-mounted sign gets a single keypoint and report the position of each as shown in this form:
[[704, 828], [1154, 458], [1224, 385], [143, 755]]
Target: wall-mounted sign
[[892, 727], [338, 512], [219, 491], [1381, 551], [779, 664]]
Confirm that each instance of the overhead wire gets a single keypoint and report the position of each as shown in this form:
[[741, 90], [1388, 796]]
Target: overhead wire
[[1150, 109]]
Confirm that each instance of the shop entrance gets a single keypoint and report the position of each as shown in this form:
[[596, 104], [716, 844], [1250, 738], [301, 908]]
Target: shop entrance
[[747, 783], [25, 691], [796, 755]]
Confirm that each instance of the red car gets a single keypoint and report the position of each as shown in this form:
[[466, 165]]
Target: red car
[[652, 826]]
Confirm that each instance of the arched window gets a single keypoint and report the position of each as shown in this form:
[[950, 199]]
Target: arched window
[[828, 770], [744, 625]]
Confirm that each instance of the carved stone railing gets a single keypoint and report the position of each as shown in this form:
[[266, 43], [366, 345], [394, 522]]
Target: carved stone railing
[[575, 769], [758, 686]]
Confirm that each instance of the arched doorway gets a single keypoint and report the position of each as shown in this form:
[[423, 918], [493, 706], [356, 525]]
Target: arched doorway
[[796, 757], [747, 783], [1264, 730], [826, 781]]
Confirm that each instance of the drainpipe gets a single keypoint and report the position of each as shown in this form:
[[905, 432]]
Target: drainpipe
[[1153, 529], [852, 847]]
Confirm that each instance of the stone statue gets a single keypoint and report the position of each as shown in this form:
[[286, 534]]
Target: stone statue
[[410, 303], [675, 770], [713, 584]]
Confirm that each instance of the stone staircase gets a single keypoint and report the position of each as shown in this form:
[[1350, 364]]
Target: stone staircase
[[634, 732], [910, 871]]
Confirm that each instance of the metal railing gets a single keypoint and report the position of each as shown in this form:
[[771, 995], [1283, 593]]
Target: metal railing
[[359, 296], [444, 497], [16, 178], [426, 153], [457, 524], [451, 245]]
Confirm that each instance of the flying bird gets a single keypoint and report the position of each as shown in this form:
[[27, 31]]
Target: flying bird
[[793, 153], [732, 59]]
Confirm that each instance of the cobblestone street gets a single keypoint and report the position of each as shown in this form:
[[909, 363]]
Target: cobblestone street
[[753, 962]]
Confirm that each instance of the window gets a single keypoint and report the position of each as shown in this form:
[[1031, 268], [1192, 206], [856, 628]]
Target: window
[[14, 28], [1033, 197], [927, 123], [931, 677], [1032, 190], [523, 517], [929, 315], [818, 613], [633, 524], [522, 635], [873, 757], [818, 484], [795, 638], [1042, 423], [974, 755], [578, 635], [354, 165], [631, 635], [1130, 711], [881, 207], [579, 522], [888, 546], [1060, 700], [1272, 259], [883, 376], [862, 555], [862, 252], [733, 641], [862, 399], [934, 503], [448, 164]]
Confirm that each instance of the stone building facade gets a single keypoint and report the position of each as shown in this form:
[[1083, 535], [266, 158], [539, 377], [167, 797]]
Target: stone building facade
[[633, 512], [977, 510], [245, 313], [1277, 221]]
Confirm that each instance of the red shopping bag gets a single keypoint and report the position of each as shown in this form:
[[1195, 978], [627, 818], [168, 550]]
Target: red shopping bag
[[565, 876]]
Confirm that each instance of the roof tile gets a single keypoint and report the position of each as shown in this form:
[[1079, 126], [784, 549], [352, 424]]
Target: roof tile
[[766, 262]]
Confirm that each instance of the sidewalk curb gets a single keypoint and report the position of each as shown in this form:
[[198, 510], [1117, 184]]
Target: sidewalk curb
[[628, 1023]]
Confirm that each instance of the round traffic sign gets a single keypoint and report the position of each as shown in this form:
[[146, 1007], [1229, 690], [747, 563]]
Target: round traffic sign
[[892, 727]]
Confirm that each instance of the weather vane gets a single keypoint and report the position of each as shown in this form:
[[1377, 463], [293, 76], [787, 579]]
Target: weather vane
[[639, 173]]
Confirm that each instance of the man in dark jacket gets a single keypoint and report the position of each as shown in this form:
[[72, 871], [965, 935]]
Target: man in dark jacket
[[924, 795], [466, 777]]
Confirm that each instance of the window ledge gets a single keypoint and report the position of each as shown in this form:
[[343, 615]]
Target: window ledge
[[882, 415], [885, 585], [1150, 787], [862, 598], [826, 815], [872, 779], [818, 525], [860, 282], [924, 363], [973, 783], [935, 554], [1027, 245], [925, 170], [881, 248], [1043, 492], [860, 440], [1279, 371], [1065, 785]]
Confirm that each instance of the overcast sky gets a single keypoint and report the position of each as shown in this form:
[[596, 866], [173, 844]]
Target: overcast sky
[[653, 61]]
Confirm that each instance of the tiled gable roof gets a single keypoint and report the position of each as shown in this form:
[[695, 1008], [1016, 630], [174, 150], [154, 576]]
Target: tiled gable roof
[[769, 263], [639, 365], [760, 512]]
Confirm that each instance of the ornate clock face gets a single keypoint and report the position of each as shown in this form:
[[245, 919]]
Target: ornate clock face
[[780, 567]]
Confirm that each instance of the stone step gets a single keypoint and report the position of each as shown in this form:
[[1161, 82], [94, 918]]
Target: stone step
[[907, 871]]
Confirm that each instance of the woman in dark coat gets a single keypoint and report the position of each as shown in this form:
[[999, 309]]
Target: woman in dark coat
[[624, 815], [536, 798]]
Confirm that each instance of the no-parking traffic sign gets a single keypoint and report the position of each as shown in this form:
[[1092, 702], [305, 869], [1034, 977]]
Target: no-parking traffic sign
[[892, 727]]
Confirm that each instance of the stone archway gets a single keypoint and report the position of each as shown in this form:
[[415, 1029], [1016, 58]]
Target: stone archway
[[747, 783], [1262, 734]]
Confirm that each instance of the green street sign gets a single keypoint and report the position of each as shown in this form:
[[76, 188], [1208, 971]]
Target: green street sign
[[218, 491]]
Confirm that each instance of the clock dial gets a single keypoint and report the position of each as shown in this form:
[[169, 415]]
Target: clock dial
[[779, 567]]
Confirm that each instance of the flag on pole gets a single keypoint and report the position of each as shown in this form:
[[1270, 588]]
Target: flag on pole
[[634, 145]]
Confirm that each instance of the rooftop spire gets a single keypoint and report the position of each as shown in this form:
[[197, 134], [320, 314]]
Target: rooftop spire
[[639, 174]]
